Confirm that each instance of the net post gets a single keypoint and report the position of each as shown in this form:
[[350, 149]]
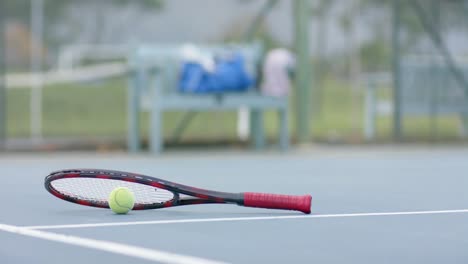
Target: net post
[[396, 71], [37, 27], [301, 14], [3, 107]]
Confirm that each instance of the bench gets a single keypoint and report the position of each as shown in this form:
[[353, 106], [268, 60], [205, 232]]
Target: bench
[[428, 88], [153, 80]]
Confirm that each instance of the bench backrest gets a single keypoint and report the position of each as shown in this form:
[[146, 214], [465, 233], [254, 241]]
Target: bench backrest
[[168, 61]]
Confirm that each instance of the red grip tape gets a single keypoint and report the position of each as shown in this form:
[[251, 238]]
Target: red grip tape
[[278, 201]]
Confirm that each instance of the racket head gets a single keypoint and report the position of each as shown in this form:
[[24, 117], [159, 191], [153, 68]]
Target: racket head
[[91, 187]]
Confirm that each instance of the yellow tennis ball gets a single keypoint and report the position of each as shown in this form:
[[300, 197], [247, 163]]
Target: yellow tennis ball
[[121, 200]]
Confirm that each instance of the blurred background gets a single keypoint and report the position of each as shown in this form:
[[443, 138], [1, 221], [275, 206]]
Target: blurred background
[[367, 72]]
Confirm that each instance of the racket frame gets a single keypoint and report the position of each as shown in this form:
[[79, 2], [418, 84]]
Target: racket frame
[[197, 195]]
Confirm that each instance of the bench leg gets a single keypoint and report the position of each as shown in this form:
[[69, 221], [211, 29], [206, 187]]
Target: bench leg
[[284, 131], [256, 129], [133, 132], [370, 112], [156, 132]]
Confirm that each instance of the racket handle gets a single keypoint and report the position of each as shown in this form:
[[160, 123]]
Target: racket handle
[[278, 201]]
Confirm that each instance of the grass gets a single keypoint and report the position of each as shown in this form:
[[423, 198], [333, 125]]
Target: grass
[[71, 110], [99, 109]]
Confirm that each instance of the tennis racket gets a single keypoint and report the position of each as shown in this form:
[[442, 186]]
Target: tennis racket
[[91, 187]]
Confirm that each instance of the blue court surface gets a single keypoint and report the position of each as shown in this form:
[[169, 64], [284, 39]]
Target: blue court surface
[[370, 205]]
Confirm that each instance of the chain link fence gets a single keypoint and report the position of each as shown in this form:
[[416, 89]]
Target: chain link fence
[[65, 64]]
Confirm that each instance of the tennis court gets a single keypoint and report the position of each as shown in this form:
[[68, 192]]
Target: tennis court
[[361, 104], [370, 205]]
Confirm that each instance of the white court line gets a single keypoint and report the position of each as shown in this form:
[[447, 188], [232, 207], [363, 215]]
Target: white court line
[[117, 248], [236, 219]]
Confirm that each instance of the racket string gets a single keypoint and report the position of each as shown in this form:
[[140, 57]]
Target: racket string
[[98, 190]]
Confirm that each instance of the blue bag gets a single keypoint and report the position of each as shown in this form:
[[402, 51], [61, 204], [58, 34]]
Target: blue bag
[[229, 75]]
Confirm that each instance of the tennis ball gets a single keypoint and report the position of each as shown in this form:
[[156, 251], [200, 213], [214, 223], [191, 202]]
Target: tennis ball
[[121, 200]]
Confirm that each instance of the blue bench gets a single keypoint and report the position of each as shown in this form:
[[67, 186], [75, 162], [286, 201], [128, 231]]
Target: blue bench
[[153, 87]]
